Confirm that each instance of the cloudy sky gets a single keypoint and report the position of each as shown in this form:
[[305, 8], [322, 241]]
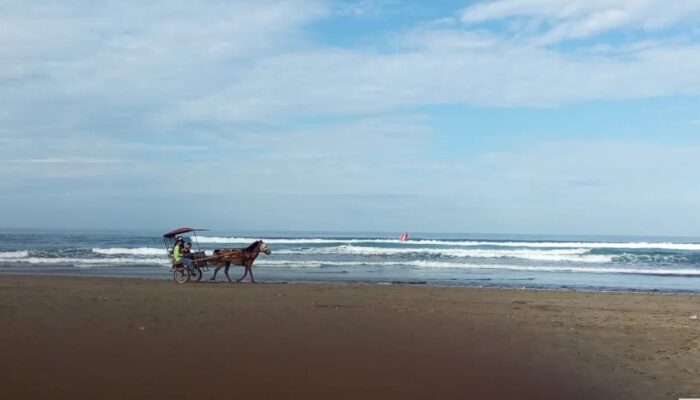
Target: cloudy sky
[[502, 116]]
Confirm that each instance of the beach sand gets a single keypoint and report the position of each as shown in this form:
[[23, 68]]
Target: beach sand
[[100, 338]]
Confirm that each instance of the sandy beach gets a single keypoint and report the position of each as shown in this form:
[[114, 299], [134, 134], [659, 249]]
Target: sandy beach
[[87, 338]]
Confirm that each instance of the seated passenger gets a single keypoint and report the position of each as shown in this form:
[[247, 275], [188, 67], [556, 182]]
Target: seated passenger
[[179, 256], [187, 251]]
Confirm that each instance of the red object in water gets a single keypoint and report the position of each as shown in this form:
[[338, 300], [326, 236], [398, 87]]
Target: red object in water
[[404, 237]]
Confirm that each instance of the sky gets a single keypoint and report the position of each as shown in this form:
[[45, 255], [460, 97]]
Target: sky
[[501, 116]]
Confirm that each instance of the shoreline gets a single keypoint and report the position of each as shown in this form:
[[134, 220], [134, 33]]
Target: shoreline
[[277, 281], [538, 262], [82, 338]]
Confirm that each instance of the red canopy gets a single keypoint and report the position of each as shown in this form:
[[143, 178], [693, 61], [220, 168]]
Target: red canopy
[[179, 231]]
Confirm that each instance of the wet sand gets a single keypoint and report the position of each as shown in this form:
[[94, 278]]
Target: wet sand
[[88, 338]]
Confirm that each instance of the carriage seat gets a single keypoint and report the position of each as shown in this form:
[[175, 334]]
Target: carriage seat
[[195, 255]]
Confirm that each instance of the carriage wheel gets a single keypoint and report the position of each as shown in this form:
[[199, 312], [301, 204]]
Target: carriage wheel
[[197, 275], [181, 275]]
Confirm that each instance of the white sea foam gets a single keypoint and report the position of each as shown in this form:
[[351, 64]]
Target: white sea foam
[[221, 239], [654, 258], [86, 261], [587, 245], [571, 255], [599, 270], [138, 251], [13, 254], [422, 264], [449, 265]]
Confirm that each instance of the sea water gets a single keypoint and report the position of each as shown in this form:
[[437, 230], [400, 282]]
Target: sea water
[[520, 261]]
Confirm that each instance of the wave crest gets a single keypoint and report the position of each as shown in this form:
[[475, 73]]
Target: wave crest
[[468, 243], [14, 254], [138, 251], [572, 255], [86, 261], [450, 265]]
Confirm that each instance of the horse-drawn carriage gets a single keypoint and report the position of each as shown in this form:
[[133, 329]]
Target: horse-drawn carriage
[[222, 258], [181, 273]]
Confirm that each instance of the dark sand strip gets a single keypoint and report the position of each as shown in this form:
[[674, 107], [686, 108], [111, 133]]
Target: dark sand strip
[[86, 338]]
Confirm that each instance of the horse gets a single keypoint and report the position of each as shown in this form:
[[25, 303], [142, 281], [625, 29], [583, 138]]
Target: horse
[[243, 257]]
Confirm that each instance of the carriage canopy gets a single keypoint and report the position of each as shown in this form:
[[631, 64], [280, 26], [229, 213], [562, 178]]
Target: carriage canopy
[[179, 231]]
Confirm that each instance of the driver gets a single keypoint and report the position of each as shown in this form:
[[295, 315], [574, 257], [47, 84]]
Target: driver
[[179, 256]]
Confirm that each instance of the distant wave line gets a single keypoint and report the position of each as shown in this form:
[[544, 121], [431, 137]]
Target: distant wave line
[[143, 254], [13, 254], [572, 255], [86, 261], [142, 251], [587, 245], [448, 265]]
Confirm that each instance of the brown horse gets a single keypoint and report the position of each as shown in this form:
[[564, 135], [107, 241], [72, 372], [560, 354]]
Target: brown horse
[[243, 257]]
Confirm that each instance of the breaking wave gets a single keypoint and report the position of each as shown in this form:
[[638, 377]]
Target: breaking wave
[[138, 251], [630, 263], [573, 255], [86, 261], [13, 254], [446, 265], [527, 244]]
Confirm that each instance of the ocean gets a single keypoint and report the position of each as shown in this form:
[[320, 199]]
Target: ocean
[[594, 263]]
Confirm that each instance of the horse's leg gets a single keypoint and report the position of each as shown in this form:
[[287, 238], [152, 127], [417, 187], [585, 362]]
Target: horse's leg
[[218, 267], [244, 275], [250, 269], [228, 265]]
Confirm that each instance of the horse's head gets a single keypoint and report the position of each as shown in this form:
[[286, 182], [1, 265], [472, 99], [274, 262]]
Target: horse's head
[[265, 248]]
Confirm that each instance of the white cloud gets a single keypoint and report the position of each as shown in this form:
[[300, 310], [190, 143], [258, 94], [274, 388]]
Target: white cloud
[[356, 156], [584, 18], [570, 186], [355, 82], [231, 95], [68, 160], [154, 68]]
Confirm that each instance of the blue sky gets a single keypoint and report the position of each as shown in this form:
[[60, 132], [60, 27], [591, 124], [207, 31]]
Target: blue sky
[[502, 116]]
